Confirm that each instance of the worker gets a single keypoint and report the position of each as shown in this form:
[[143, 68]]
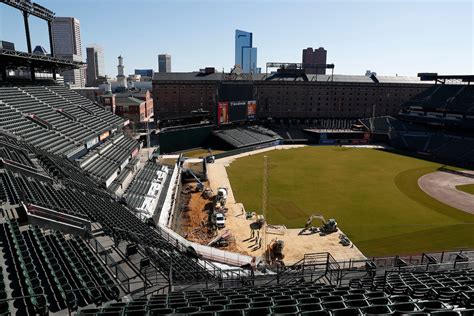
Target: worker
[[260, 243], [252, 233], [258, 233]]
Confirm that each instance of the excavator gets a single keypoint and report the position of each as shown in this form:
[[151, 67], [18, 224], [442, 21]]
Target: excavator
[[328, 227]]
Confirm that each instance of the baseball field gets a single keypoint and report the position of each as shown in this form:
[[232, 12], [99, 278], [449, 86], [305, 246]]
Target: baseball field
[[468, 188], [373, 195]]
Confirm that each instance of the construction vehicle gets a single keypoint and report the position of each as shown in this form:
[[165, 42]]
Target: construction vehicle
[[207, 193], [344, 240], [260, 221], [326, 228], [220, 220], [221, 196], [210, 158], [200, 185]]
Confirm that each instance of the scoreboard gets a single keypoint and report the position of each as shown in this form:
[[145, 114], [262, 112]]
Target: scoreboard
[[236, 103]]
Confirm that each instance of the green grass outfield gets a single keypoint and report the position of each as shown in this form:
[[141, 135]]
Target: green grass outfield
[[200, 152], [468, 188], [373, 195]]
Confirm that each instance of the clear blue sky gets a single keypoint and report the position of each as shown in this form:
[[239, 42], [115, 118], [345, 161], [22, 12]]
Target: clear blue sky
[[389, 37]]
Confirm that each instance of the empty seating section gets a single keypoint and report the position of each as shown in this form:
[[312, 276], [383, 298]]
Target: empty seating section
[[54, 100], [116, 220], [148, 184], [17, 124], [67, 131], [10, 191], [96, 110], [52, 117], [443, 147], [4, 306], [246, 136], [78, 130], [13, 150], [15, 155], [108, 158], [386, 124], [449, 97], [415, 294], [53, 271]]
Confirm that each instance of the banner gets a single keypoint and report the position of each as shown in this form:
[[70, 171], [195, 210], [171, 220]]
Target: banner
[[251, 110], [222, 113]]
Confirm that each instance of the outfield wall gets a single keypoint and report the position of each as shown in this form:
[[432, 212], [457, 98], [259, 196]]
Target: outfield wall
[[183, 139]]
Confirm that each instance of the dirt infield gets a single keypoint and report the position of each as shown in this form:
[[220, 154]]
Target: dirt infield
[[441, 185], [295, 245]]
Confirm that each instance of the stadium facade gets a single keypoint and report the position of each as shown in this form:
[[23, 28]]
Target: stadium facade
[[303, 98]]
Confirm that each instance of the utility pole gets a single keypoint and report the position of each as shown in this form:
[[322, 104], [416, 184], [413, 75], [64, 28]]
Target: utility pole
[[264, 203]]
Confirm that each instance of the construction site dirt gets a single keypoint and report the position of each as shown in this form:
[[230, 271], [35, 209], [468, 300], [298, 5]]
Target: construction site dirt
[[193, 221]]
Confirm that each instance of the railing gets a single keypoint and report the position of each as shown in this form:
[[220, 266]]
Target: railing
[[118, 272]]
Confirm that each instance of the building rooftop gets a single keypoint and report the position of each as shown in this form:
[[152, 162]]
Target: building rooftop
[[198, 76], [128, 101]]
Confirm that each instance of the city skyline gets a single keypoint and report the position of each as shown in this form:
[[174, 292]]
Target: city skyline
[[359, 35]]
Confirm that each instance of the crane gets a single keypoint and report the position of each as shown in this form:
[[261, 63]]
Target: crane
[[200, 185]]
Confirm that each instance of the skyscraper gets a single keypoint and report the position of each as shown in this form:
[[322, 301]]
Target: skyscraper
[[67, 45], [164, 63], [245, 53], [313, 60], [95, 65]]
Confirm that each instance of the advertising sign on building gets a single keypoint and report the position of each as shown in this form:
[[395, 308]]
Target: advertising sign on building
[[251, 110], [222, 113]]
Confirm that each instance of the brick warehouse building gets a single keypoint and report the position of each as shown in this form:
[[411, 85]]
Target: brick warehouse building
[[304, 97], [134, 105]]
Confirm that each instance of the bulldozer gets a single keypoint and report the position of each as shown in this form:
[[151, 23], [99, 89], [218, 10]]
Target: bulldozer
[[326, 228]]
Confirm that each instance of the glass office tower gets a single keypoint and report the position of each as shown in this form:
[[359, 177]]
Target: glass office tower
[[245, 54]]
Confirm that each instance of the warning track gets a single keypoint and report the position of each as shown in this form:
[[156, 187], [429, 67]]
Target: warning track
[[441, 185]]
